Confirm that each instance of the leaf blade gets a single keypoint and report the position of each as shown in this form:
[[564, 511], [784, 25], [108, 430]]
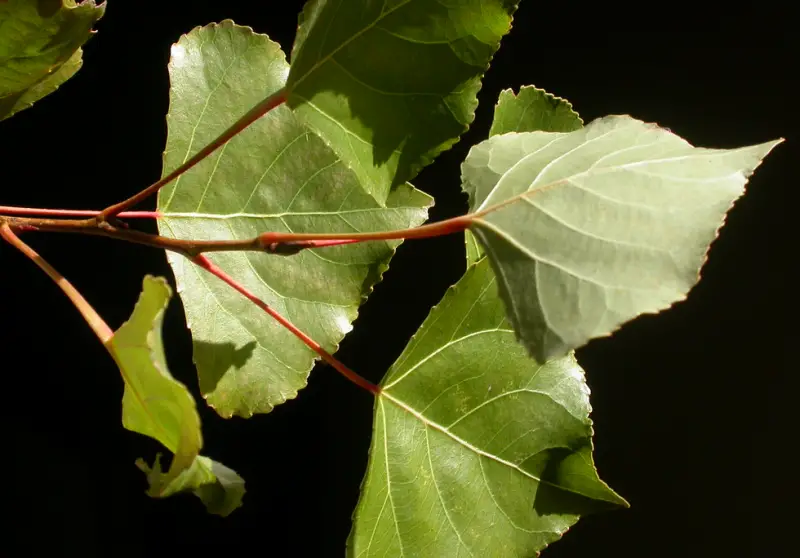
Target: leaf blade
[[156, 405], [453, 435], [274, 176], [389, 87], [41, 48], [589, 229], [531, 110]]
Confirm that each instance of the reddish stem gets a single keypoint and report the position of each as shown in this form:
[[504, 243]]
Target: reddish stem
[[98, 325], [449, 226], [251, 116], [80, 213], [212, 268]]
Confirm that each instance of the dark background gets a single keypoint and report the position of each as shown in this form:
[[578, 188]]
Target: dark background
[[693, 408]]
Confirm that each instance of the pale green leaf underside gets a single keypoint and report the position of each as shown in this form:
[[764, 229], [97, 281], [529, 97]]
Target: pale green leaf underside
[[477, 450], [40, 48], [275, 176], [598, 225], [389, 85], [531, 110], [158, 406]]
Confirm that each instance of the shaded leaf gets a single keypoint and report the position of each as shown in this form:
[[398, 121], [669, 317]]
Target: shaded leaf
[[390, 85], [40, 44], [477, 450], [532, 110], [157, 405], [275, 176], [587, 230]]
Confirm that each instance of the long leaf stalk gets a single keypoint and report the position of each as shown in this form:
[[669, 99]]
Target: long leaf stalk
[[98, 325], [215, 270]]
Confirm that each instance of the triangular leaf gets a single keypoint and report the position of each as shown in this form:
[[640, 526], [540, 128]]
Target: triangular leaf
[[477, 449], [157, 405], [275, 176], [532, 110], [589, 229], [40, 47], [390, 85]]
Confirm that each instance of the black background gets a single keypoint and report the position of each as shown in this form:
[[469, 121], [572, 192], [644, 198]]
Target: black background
[[693, 408]]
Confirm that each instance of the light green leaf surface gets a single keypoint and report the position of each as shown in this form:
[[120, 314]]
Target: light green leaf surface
[[157, 405], [275, 176], [40, 44], [477, 450], [389, 85], [597, 226], [532, 110]]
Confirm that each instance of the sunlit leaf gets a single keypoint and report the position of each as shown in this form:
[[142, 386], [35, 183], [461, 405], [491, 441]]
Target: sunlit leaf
[[587, 230], [478, 450], [275, 176], [531, 110], [157, 405], [390, 85], [40, 44]]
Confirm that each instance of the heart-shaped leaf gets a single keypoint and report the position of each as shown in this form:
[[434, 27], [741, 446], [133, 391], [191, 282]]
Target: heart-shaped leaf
[[588, 229], [275, 176], [532, 110], [157, 405], [392, 84], [40, 47], [477, 450]]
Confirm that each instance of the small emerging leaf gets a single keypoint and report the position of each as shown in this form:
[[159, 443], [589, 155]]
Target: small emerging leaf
[[532, 110], [477, 450], [40, 44], [587, 230], [158, 406], [390, 85], [275, 176]]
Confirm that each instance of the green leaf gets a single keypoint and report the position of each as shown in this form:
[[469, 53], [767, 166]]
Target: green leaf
[[390, 85], [157, 405], [587, 230], [532, 110], [275, 176], [477, 450], [40, 44]]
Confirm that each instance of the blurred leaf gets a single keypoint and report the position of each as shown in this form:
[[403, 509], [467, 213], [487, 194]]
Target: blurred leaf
[[40, 44]]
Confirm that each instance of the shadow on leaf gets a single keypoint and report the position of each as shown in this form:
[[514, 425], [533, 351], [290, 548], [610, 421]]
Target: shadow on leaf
[[218, 359], [559, 492]]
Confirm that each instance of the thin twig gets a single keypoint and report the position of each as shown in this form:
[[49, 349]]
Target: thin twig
[[262, 108], [284, 244], [9, 210], [98, 325]]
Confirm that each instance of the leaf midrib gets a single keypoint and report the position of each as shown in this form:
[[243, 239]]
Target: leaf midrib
[[436, 426]]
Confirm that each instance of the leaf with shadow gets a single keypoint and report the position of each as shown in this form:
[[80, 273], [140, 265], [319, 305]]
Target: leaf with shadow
[[390, 85], [220, 359], [477, 448]]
